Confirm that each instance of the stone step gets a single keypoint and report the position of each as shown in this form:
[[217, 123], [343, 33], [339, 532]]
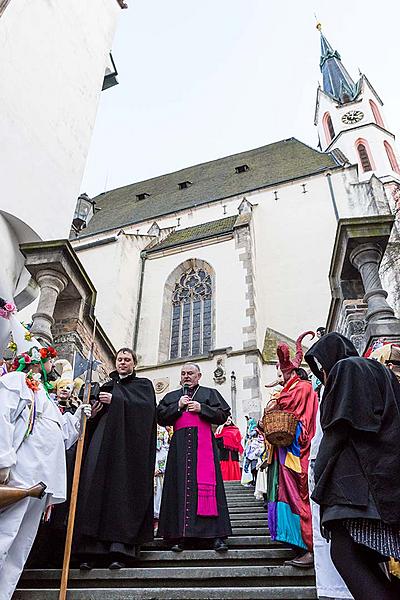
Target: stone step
[[245, 504], [256, 522], [240, 491], [239, 541], [244, 509], [261, 516], [246, 496], [249, 530], [176, 576], [210, 593], [239, 556]]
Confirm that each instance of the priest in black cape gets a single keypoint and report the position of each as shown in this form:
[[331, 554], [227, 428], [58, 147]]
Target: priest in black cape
[[193, 505], [115, 502], [357, 469]]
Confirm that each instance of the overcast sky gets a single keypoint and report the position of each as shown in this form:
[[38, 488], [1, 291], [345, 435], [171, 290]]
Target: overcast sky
[[199, 80]]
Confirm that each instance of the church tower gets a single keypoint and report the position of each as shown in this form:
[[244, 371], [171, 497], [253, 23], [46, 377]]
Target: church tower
[[349, 119]]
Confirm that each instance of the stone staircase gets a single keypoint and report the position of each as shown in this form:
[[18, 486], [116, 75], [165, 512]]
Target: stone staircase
[[253, 568]]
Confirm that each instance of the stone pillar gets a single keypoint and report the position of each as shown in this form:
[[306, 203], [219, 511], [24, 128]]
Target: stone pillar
[[366, 258], [51, 283], [380, 319]]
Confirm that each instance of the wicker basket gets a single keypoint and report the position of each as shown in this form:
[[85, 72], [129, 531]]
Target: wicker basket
[[279, 427]]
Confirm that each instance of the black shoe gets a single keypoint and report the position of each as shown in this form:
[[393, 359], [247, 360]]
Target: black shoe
[[114, 566], [177, 548], [86, 566], [220, 545]]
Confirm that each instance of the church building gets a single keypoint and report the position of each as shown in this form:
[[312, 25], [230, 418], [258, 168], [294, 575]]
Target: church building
[[217, 262]]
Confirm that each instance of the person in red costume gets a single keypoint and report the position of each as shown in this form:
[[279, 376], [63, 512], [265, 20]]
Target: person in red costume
[[229, 442], [289, 514]]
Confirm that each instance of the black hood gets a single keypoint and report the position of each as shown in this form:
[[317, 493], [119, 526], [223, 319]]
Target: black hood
[[331, 348]]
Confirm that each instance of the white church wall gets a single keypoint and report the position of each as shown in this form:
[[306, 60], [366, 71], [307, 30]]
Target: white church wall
[[294, 237], [115, 269], [55, 54], [191, 217]]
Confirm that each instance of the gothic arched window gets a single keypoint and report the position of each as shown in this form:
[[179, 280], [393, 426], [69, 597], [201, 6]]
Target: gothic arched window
[[328, 127], [191, 314], [364, 155], [376, 113], [392, 157]]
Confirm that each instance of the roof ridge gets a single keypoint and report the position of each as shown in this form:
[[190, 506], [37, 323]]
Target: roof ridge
[[207, 162]]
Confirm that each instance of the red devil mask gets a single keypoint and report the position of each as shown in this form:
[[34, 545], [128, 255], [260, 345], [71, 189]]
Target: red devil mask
[[283, 351]]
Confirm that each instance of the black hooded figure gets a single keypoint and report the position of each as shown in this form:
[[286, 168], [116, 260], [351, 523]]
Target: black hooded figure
[[357, 470]]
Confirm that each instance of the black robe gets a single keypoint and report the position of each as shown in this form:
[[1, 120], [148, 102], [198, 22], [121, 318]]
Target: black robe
[[180, 483], [358, 463], [115, 502]]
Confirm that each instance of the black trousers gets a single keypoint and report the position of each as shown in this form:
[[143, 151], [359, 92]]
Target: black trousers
[[359, 567]]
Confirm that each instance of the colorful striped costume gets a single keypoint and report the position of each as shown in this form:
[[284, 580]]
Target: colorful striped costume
[[289, 513]]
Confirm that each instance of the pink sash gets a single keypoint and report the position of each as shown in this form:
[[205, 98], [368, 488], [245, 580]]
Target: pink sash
[[206, 483]]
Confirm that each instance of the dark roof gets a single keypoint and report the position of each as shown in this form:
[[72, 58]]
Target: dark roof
[[214, 180], [198, 232]]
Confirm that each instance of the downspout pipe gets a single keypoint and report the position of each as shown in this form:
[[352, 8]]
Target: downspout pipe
[[143, 257], [333, 198]]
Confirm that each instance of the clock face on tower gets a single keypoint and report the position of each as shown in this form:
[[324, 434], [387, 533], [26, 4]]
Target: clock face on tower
[[352, 116]]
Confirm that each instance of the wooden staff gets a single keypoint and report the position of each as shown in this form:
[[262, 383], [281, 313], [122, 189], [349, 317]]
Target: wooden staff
[[77, 472]]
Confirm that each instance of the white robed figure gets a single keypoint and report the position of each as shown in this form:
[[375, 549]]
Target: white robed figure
[[33, 438], [161, 462]]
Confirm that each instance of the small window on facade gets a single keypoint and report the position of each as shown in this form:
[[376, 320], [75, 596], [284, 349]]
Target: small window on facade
[[364, 157], [242, 168], [392, 157], [142, 196], [184, 184], [191, 314]]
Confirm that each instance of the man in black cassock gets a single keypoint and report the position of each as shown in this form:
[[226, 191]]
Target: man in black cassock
[[193, 504], [115, 502]]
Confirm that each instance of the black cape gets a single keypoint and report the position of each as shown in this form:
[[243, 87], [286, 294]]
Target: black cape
[[178, 513], [115, 503], [359, 454]]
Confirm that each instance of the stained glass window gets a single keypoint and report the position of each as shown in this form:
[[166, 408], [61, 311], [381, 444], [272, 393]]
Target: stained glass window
[[191, 331]]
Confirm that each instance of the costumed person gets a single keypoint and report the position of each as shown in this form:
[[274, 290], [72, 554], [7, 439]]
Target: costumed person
[[254, 449], [389, 355], [33, 438], [116, 493], [229, 442], [247, 475], [289, 513], [67, 388], [329, 583], [48, 549], [357, 469], [161, 462], [193, 505]]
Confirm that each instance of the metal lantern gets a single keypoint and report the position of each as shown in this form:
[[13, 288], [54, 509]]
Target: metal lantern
[[84, 211]]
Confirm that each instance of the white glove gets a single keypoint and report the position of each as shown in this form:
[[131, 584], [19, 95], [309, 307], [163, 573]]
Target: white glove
[[4, 475], [86, 408]]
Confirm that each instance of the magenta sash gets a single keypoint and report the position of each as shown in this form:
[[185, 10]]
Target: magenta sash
[[206, 482]]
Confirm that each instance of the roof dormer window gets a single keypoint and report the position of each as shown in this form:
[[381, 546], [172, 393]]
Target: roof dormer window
[[242, 168], [184, 184], [142, 196]]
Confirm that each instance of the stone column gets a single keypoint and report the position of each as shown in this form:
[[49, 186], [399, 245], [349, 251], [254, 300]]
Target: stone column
[[366, 258], [51, 283]]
